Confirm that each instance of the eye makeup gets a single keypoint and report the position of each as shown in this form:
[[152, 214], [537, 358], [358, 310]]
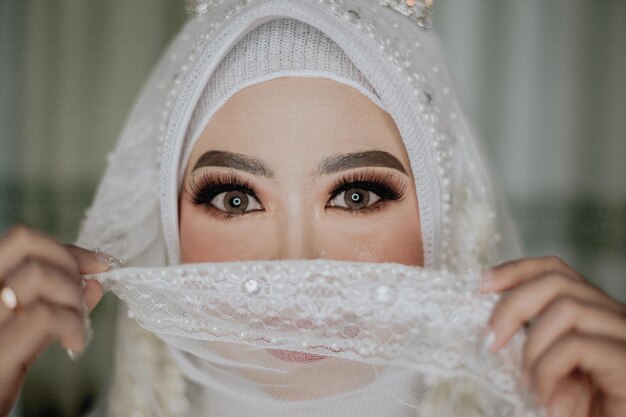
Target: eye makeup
[[389, 187], [202, 191], [203, 188]]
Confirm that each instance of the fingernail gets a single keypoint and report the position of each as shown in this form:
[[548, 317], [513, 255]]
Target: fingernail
[[486, 280], [490, 340], [87, 332], [529, 397], [111, 261], [75, 355], [525, 380]]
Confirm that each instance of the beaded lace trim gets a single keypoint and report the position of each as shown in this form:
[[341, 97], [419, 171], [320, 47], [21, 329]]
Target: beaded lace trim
[[420, 11], [379, 313]]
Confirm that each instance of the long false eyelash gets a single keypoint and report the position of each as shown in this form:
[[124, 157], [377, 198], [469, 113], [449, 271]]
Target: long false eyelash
[[210, 185], [389, 187]]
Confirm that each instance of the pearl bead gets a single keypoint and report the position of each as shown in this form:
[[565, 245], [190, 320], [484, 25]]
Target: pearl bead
[[252, 287], [383, 293]]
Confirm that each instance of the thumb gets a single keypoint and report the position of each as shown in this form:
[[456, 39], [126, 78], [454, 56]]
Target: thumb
[[90, 262], [93, 293]]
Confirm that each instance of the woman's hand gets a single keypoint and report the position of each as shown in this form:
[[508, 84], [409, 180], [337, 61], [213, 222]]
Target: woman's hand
[[53, 302], [575, 351]]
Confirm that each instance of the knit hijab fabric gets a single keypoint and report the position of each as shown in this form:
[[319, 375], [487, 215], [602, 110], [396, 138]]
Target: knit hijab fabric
[[368, 339], [277, 48]]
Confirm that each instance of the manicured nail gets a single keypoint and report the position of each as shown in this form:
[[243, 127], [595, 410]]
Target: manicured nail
[[525, 380], [490, 340], [87, 332], [75, 355], [538, 398], [486, 281], [107, 259]]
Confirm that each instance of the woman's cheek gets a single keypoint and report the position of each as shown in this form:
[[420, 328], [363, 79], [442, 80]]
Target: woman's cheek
[[204, 238], [391, 237]]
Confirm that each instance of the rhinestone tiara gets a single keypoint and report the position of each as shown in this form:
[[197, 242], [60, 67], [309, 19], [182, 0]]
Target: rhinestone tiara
[[420, 11]]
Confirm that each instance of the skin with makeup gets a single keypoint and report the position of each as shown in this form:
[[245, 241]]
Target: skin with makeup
[[305, 168]]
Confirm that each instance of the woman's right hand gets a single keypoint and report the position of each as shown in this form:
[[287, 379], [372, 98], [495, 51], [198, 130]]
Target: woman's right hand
[[54, 302]]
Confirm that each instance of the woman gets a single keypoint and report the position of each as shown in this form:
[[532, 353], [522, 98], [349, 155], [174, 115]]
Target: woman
[[254, 162]]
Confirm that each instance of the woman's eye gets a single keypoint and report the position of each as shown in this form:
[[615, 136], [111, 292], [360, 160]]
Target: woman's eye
[[355, 199], [235, 202]]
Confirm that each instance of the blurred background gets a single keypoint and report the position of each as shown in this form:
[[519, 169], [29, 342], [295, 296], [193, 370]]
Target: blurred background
[[542, 81]]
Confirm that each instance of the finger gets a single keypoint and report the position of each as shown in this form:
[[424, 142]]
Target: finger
[[512, 273], [87, 261], [10, 392], [567, 314], [604, 359], [32, 330], [531, 297], [93, 293], [572, 397], [21, 243], [35, 281]]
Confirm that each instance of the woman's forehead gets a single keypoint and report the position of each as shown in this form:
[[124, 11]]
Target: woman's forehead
[[298, 117]]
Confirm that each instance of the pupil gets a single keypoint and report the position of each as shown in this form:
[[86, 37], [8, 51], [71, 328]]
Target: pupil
[[237, 201], [356, 198]]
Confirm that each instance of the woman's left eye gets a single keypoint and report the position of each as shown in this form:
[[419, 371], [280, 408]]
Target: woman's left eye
[[355, 199]]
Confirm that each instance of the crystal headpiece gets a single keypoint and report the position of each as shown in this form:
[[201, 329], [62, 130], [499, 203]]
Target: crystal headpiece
[[419, 11]]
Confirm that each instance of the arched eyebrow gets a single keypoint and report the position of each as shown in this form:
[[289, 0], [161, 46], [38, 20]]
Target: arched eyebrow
[[329, 165], [234, 160], [374, 158]]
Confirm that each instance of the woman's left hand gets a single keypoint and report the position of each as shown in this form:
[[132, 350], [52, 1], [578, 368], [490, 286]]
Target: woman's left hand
[[575, 351]]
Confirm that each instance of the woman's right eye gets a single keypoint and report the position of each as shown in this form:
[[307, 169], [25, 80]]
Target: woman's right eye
[[235, 202]]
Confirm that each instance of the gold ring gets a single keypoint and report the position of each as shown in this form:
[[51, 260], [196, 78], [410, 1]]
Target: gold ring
[[9, 299]]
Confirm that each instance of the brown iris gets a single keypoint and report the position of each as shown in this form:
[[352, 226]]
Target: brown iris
[[356, 198], [235, 202]]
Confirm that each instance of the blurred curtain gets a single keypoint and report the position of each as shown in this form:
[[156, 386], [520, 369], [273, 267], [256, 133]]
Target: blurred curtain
[[69, 71], [542, 81], [545, 84]]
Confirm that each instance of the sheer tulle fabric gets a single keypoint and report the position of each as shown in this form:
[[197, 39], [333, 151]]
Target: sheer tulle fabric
[[327, 338]]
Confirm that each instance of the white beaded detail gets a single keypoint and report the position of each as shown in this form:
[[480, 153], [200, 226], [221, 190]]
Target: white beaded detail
[[420, 11], [332, 308], [252, 286]]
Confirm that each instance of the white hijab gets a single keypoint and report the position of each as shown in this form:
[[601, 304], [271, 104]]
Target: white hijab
[[134, 217]]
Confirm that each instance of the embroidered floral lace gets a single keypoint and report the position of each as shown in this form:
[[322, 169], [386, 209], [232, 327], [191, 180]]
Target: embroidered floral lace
[[402, 321]]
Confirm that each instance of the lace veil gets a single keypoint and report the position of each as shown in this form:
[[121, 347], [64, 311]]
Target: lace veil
[[307, 337]]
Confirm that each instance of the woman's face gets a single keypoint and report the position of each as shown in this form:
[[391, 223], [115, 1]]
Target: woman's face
[[300, 168]]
